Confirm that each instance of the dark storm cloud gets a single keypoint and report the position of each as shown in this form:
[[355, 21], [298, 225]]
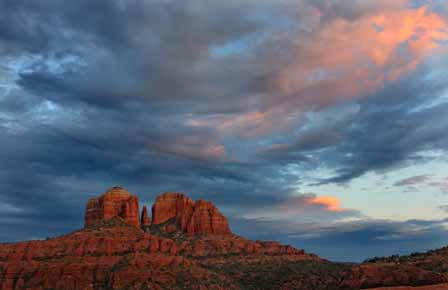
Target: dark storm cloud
[[307, 142], [394, 136], [101, 93], [387, 130], [130, 52], [49, 170]]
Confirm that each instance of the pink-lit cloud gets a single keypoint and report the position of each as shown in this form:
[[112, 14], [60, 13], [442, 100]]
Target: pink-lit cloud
[[306, 207], [246, 125], [342, 53], [350, 58], [192, 147], [312, 202], [330, 203]]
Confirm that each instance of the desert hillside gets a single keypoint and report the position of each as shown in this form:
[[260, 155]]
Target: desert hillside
[[188, 244]]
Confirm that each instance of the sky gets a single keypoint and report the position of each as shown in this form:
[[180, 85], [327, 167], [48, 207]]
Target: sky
[[318, 123]]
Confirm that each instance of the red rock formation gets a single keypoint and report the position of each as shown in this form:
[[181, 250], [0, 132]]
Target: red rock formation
[[116, 255], [116, 202], [194, 218], [145, 220], [171, 205]]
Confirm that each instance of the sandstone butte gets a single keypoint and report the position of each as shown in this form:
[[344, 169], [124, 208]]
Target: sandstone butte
[[192, 218], [187, 244], [116, 202]]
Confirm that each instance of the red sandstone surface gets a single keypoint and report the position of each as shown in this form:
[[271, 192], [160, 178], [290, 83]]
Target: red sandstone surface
[[115, 255], [116, 202], [200, 217], [188, 245]]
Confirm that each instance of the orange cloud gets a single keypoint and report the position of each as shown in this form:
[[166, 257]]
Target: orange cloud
[[330, 203], [347, 59], [306, 207], [342, 59], [311, 201], [233, 122]]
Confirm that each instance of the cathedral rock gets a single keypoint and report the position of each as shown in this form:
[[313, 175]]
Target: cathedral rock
[[115, 202], [188, 245], [171, 212]]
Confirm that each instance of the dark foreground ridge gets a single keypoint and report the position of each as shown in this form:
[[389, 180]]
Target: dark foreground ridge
[[188, 244]]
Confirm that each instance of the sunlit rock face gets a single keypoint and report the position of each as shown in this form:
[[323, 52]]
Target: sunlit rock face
[[191, 217], [115, 202]]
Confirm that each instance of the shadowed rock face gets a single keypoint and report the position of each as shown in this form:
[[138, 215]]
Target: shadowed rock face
[[115, 202], [193, 218], [145, 220]]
